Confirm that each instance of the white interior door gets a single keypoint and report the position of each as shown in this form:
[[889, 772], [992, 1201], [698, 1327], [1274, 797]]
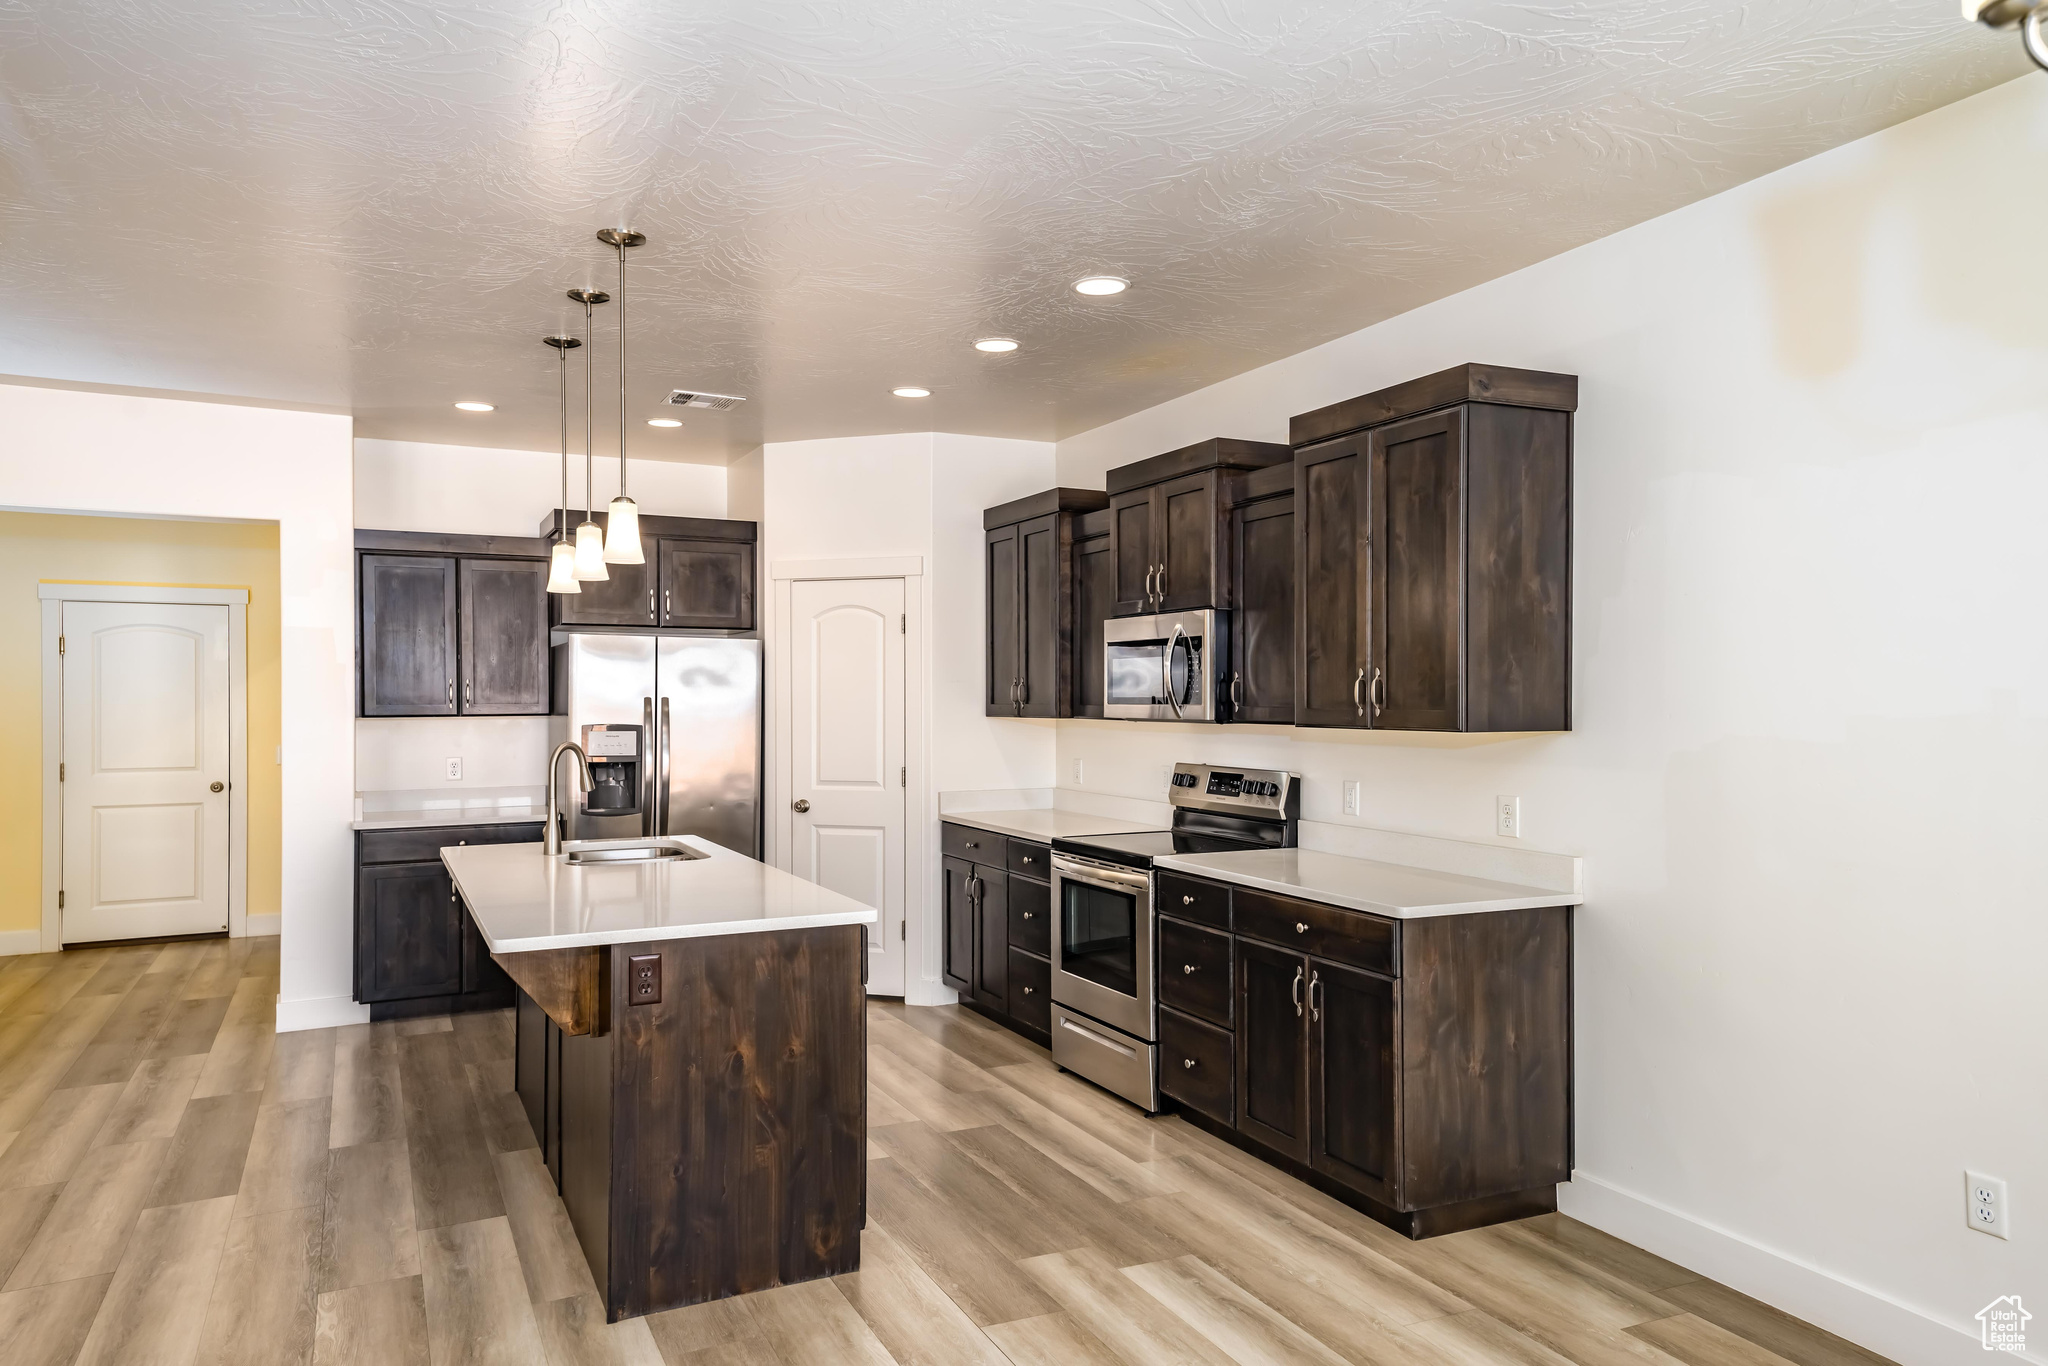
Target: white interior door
[[146, 767], [846, 779]]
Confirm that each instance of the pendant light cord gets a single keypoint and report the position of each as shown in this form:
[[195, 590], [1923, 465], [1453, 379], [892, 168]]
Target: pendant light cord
[[589, 451], [622, 367], [562, 355]]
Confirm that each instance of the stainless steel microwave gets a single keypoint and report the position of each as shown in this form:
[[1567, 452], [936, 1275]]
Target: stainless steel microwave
[[1165, 668]]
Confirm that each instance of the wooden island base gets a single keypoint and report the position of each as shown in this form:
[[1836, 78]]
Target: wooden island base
[[713, 1142]]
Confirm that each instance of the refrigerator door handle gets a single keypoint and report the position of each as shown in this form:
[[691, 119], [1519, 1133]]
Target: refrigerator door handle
[[647, 780], [661, 819]]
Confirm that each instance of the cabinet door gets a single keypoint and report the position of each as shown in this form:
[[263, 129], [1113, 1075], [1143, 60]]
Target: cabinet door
[[625, 597], [1134, 552], [1351, 1078], [1038, 612], [1188, 531], [1262, 635], [1416, 670], [992, 937], [956, 963], [706, 585], [1003, 573], [408, 645], [408, 931], [1272, 1048], [504, 637], [1332, 565], [1094, 599]]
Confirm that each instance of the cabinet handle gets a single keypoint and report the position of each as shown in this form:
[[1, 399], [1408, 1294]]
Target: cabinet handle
[[1187, 901], [468, 693], [1297, 993], [1356, 685], [668, 603], [1159, 588], [1188, 1063], [1236, 691], [1301, 927], [1315, 1007], [451, 692], [1378, 692], [1188, 969], [650, 604]]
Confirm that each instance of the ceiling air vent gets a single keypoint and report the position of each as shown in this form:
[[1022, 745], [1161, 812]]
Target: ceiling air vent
[[687, 398]]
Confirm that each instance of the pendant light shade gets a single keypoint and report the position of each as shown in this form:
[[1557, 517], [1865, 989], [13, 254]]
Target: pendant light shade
[[622, 521], [562, 569], [562, 559], [590, 552]]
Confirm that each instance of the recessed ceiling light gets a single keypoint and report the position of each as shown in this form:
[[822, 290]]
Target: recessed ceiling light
[[477, 407], [911, 391], [1100, 284], [995, 344], [663, 422]]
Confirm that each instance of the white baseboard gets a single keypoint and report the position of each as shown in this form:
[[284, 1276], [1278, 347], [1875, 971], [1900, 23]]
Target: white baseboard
[[1864, 1316], [20, 941], [255, 925], [320, 1012], [929, 991]]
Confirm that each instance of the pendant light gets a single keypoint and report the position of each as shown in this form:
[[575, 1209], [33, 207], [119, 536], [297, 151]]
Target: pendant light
[[622, 523], [562, 559], [589, 538]]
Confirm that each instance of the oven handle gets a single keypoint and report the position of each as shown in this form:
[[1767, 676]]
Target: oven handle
[[1100, 874], [1093, 1037]]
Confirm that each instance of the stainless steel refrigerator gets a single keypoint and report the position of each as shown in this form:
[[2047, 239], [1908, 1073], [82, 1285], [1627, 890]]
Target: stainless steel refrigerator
[[672, 725]]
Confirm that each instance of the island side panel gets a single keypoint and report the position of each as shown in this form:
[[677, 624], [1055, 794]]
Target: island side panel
[[581, 1082], [740, 1117]]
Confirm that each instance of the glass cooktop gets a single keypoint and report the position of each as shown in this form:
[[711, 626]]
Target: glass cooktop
[[1138, 851]]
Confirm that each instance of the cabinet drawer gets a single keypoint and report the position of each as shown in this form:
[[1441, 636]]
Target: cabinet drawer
[[1195, 971], [976, 846], [414, 846], [1031, 916], [1364, 941], [1031, 859], [1208, 902], [1195, 1063], [1030, 990]]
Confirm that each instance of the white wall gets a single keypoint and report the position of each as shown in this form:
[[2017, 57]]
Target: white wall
[[473, 490], [1812, 710], [75, 451]]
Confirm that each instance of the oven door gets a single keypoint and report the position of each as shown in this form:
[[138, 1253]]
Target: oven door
[[1163, 668], [1102, 942]]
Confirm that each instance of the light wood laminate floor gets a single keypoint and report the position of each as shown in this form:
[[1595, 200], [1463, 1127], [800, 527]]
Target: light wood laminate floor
[[181, 1184]]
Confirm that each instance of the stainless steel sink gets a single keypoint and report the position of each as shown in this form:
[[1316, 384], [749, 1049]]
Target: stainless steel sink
[[628, 851]]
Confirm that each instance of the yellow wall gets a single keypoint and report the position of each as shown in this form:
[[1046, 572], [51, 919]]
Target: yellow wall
[[39, 547]]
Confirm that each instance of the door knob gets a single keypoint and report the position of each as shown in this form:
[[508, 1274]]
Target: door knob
[[215, 787], [799, 806]]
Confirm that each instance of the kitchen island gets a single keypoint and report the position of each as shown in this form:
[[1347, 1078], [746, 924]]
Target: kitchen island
[[692, 1055]]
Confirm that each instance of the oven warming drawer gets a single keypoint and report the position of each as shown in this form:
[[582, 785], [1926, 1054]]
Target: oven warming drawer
[[1106, 1056]]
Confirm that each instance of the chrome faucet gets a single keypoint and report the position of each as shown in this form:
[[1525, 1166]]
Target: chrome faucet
[[551, 845]]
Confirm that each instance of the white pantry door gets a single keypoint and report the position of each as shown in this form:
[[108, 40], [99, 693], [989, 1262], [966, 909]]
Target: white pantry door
[[847, 799], [145, 782]]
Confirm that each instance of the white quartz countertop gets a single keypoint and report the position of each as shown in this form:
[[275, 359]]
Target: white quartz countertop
[[428, 817], [1046, 825], [1389, 889], [523, 901]]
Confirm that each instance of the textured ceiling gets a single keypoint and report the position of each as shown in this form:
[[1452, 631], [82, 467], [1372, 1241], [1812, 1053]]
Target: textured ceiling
[[376, 205]]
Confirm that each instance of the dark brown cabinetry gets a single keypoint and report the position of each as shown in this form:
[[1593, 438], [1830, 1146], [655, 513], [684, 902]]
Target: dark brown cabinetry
[[997, 926], [1169, 542], [1094, 601], [1028, 582], [417, 952], [1419, 1070], [1261, 685], [451, 625], [698, 574], [1433, 555]]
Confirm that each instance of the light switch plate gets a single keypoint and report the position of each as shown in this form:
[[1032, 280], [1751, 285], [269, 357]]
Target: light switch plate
[[1078, 782], [1351, 796], [455, 769]]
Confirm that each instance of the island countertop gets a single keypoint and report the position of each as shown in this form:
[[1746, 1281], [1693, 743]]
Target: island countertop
[[523, 901]]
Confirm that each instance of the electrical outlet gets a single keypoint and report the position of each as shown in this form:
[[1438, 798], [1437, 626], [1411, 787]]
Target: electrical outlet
[[1351, 796], [643, 979], [1984, 1204], [455, 770], [1507, 817], [1077, 774]]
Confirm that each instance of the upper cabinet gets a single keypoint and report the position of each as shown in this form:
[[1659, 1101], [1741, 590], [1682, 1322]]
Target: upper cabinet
[[451, 625], [408, 635], [504, 636], [699, 574], [1169, 526], [1028, 579], [1094, 600], [1261, 684], [1433, 555]]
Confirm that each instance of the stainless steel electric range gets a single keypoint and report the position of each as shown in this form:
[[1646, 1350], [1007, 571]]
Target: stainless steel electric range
[[1104, 985]]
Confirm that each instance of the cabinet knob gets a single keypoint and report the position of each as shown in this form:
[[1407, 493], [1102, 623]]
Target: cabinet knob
[[1029, 914], [1301, 927], [1029, 859], [1187, 969], [1187, 901], [1028, 991], [1188, 1063], [462, 841], [972, 845]]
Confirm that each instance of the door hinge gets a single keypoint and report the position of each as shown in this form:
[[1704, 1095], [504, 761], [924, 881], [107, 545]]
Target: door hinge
[[60, 773], [903, 624], [903, 930], [60, 645], [903, 776], [60, 898]]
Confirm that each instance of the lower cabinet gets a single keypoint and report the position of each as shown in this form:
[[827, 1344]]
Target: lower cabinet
[[998, 927], [1272, 1048], [417, 950]]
